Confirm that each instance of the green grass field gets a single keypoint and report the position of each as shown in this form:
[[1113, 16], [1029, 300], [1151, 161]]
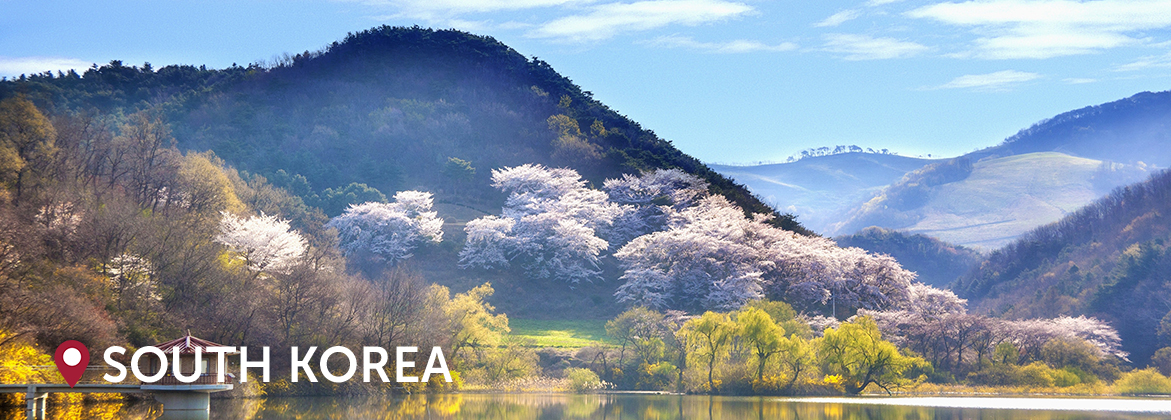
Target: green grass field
[[561, 333]]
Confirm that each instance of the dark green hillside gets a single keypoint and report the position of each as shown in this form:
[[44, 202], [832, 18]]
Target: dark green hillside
[[386, 107], [938, 263], [1109, 259], [391, 109]]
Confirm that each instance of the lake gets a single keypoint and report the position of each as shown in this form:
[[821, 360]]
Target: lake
[[643, 406]]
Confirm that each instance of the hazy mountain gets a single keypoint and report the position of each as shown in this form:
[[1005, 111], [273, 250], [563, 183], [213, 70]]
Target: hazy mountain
[[1032, 178], [819, 190], [1132, 130], [1108, 259], [936, 262], [988, 203]]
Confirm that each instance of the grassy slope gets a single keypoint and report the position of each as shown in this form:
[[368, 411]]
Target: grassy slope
[[1006, 197], [575, 333], [1001, 199]]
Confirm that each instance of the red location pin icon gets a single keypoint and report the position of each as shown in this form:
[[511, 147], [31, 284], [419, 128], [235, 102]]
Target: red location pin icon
[[72, 357]]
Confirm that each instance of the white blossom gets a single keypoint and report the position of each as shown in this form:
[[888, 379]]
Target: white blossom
[[265, 243], [549, 223], [389, 231], [713, 257]]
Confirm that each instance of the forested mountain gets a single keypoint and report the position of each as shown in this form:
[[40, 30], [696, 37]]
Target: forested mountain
[[1109, 259], [820, 189], [392, 109], [387, 107], [936, 262]]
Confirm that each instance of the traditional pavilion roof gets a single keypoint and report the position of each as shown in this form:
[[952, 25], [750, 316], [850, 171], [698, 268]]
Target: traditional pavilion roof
[[187, 345]]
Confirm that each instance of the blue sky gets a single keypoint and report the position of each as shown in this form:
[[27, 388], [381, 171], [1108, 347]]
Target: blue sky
[[730, 81]]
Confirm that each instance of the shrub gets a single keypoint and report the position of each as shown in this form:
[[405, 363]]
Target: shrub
[[582, 380], [1145, 381]]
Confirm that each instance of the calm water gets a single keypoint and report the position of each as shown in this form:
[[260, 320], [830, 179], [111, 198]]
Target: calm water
[[617, 407]]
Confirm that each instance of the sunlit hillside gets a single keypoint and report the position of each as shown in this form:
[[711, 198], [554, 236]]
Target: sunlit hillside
[[996, 201]]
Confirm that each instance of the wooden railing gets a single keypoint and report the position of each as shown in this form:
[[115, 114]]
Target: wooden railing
[[205, 379]]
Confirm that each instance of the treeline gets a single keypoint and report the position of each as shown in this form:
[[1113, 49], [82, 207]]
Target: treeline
[[836, 150], [1108, 259], [767, 348]]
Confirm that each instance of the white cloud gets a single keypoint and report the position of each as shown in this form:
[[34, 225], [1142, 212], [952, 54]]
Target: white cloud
[[730, 47], [991, 81], [1078, 80], [16, 66], [839, 18], [607, 20], [863, 47], [1149, 62], [873, 3], [1009, 29]]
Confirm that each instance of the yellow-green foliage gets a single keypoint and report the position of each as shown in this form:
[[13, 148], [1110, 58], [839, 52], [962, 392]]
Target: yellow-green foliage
[[209, 190], [26, 141], [471, 319], [570, 143], [1144, 381], [19, 362], [857, 352], [707, 338], [582, 380]]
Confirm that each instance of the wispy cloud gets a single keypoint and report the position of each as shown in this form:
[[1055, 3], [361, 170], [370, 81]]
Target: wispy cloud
[[1012, 29], [1000, 80], [839, 18], [604, 21], [864, 47], [1078, 80], [873, 3], [1149, 62], [730, 47], [16, 66]]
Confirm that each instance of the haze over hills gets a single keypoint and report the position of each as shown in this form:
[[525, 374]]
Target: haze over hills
[[991, 196], [820, 190], [988, 203]]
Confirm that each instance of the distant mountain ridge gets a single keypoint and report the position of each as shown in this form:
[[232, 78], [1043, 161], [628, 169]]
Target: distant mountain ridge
[[1130, 130], [821, 189], [1032, 178]]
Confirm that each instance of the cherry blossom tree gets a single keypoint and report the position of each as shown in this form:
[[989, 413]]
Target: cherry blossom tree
[[389, 231], [712, 257], [550, 224], [648, 199], [265, 243]]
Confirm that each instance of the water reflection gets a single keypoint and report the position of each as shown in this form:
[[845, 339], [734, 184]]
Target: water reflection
[[564, 406], [619, 407]]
